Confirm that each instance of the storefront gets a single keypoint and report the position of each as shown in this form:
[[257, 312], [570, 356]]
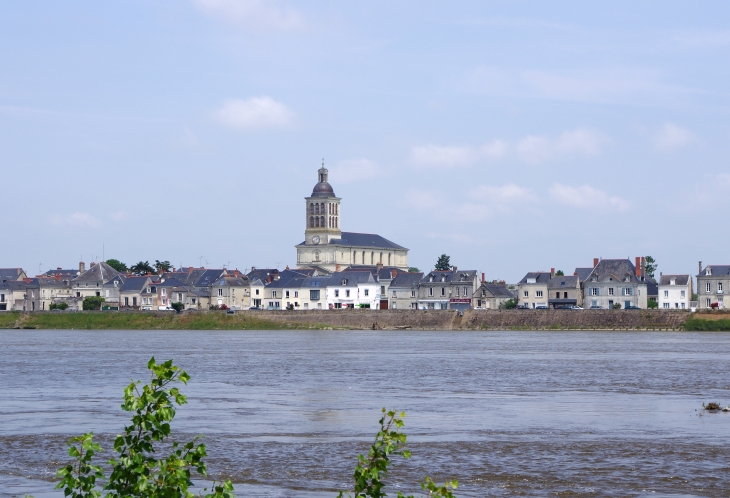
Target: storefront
[[460, 304]]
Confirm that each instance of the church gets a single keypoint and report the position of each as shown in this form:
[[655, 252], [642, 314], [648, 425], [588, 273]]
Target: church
[[326, 246]]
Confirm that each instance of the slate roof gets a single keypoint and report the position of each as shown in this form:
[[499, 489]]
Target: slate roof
[[568, 281], [134, 284], [13, 285], [100, 272], [353, 278], [680, 279], [583, 273], [261, 273], [71, 272], [171, 282], [449, 276], [406, 279], [616, 268], [499, 290], [205, 278], [364, 240], [541, 277], [10, 273], [383, 272], [717, 271]]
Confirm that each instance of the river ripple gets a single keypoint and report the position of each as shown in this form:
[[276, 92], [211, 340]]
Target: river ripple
[[286, 412]]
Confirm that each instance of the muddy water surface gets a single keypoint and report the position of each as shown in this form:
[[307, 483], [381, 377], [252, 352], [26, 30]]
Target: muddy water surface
[[286, 412]]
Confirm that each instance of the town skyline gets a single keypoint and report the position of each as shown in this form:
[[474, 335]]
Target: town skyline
[[514, 138]]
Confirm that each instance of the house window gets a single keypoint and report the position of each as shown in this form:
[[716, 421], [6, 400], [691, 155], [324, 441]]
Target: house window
[[457, 291], [666, 293], [557, 295], [337, 292], [273, 294], [708, 302], [594, 291], [179, 297], [538, 293], [628, 291], [684, 294], [296, 293], [413, 293], [220, 292], [719, 286], [666, 306], [366, 292], [393, 293], [443, 291], [465, 292], [594, 303], [287, 293], [134, 301], [347, 293], [430, 291], [682, 305], [565, 295], [526, 294], [126, 301], [257, 292], [610, 291], [395, 305], [708, 287]]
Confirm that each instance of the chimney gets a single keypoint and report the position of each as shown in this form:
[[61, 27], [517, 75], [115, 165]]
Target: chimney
[[58, 277], [595, 262], [700, 267], [253, 268], [268, 279], [287, 267], [393, 273], [552, 272], [276, 277], [379, 265], [337, 267], [637, 268], [453, 268], [235, 272], [92, 264], [82, 267], [482, 277], [190, 270], [58, 268]]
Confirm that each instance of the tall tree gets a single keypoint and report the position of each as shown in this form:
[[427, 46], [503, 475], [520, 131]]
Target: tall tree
[[142, 268], [650, 266], [413, 269], [559, 273], [162, 266], [117, 265], [443, 263]]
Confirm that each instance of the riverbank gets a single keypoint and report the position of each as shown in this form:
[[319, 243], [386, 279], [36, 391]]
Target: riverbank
[[375, 320]]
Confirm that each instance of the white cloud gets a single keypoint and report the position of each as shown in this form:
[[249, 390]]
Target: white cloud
[[256, 112], [84, 220], [502, 197], [354, 170], [671, 136], [259, 15], [624, 85], [538, 149], [587, 197], [447, 157], [456, 156]]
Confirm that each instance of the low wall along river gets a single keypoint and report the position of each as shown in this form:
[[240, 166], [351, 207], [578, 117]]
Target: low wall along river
[[371, 319]]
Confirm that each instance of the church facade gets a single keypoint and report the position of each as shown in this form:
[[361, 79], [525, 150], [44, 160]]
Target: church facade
[[327, 247]]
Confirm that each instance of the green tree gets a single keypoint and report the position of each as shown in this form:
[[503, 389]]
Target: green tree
[[508, 304], [142, 268], [559, 273], [117, 265], [651, 304], [92, 303], [58, 306], [650, 266], [372, 471], [617, 306], [162, 266], [177, 306], [443, 263], [413, 269], [135, 470]]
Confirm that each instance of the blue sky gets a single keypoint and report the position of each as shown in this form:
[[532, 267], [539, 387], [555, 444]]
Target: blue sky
[[513, 136]]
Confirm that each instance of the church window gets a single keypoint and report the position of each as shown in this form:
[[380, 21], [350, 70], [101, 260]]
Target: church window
[[316, 255], [316, 221], [321, 208], [321, 221], [311, 208], [311, 222], [316, 209]]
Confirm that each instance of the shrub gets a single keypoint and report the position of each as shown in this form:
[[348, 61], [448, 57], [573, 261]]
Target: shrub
[[58, 306], [617, 306], [223, 307], [135, 472], [93, 303], [177, 306], [509, 304]]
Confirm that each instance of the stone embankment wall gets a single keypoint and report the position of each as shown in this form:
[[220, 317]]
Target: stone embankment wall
[[484, 319]]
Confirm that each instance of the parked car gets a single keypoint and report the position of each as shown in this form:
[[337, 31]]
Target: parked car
[[595, 308], [574, 307], [255, 308], [230, 312], [541, 306], [523, 307], [165, 308], [632, 308]]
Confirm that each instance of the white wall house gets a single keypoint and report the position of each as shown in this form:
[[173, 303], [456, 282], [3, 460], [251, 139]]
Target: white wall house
[[675, 292], [351, 289]]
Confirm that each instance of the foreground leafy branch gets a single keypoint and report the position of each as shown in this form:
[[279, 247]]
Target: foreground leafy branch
[[371, 472], [135, 470]]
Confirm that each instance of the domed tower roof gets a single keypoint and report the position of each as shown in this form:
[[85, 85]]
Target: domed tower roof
[[323, 188]]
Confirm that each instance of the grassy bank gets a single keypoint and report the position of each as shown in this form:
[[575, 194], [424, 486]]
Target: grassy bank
[[141, 321], [705, 325], [8, 319]]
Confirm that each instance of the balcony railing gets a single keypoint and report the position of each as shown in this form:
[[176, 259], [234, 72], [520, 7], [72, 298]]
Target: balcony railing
[[720, 291]]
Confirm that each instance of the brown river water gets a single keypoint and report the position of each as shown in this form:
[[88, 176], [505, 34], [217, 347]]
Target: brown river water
[[285, 413]]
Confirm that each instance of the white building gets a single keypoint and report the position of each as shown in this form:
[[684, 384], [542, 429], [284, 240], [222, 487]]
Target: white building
[[675, 292], [353, 289]]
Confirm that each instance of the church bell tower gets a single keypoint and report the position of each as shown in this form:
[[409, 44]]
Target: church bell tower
[[322, 210]]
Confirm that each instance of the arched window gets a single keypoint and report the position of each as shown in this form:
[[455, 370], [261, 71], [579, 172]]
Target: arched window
[[316, 255], [311, 222], [321, 208], [311, 208], [316, 209], [321, 221]]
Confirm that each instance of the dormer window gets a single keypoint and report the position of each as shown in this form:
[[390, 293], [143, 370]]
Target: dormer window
[[430, 279], [673, 281], [443, 278], [344, 281], [708, 271]]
